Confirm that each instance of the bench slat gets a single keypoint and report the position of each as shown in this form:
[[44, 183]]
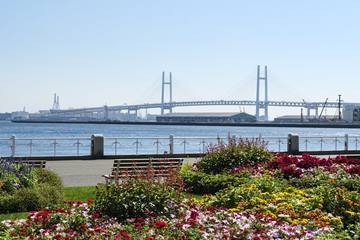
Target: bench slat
[[146, 165], [160, 167], [149, 160], [33, 163], [129, 175]]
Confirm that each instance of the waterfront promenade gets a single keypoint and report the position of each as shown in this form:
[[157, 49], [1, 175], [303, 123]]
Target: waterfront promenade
[[85, 172]]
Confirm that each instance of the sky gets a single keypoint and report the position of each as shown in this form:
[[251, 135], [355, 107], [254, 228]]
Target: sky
[[112, 52]]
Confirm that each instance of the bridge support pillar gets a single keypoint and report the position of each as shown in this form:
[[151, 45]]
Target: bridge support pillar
[[106, 113]]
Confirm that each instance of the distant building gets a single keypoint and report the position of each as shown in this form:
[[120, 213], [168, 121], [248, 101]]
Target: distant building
[[5, 116], [351, 113], [291, 119], [304, 119], [19, 115], [206, 117]]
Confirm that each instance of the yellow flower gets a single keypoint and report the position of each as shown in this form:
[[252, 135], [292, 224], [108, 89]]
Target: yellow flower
[[336, 221], [351, 213], [233, 210]]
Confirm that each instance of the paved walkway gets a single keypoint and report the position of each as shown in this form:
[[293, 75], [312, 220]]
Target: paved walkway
[[84, 172]]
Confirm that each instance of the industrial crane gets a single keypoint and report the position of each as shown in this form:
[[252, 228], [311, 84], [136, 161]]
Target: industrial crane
[[322, 110]]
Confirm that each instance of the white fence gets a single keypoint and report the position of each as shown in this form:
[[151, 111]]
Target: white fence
[[79, 146]]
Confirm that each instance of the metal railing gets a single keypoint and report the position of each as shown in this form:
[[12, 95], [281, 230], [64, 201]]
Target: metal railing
[[171, 144], [81, 146], [60, 146], [329, 143]]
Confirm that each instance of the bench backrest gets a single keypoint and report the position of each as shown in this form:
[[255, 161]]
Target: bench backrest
[[33, 163], [158, 167]]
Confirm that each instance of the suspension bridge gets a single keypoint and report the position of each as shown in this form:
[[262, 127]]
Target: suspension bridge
[[262, 103]]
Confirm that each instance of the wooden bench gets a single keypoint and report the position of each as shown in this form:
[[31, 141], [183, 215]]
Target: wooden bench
[[132, 168], [32, 163]]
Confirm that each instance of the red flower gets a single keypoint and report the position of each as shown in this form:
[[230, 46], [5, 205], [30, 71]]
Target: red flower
[[140, 220], [96, 215], [353, 170], [159, 224], [138, 226], [194, 215], [123, 234]]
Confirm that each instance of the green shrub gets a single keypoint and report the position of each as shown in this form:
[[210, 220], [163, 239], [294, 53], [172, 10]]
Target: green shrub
[[311, 179], [45, 176], [29, 199], [14, 175], [6, 203], [136, 198], [28, 189], [50, 195], [203, 183], [220, 158]]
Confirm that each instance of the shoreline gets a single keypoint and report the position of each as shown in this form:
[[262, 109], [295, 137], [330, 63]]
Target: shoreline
[[243, 124]]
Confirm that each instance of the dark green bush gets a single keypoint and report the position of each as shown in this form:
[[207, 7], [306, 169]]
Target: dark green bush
[[222, 158], [50, 195], [45, 176], [6, 203], [29, 199], [26, 199], [203, 183], [46, 190], [136, 198]]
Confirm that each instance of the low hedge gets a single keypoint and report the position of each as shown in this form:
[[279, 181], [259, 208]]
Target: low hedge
[[202, 183], [136, 198], [44, 190]]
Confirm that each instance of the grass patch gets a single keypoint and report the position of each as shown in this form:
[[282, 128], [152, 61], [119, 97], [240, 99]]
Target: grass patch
[[71, 194], [13, 216], [79, 193], [194, 196]]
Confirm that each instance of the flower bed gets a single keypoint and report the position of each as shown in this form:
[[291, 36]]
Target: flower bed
[[76, 221], [281, 197]]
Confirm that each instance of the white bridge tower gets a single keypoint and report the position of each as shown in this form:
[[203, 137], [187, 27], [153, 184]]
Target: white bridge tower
[[163, 104], [262, 104]]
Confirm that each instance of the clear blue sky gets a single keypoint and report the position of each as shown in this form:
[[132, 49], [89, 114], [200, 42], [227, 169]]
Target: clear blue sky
[[110, 52]]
